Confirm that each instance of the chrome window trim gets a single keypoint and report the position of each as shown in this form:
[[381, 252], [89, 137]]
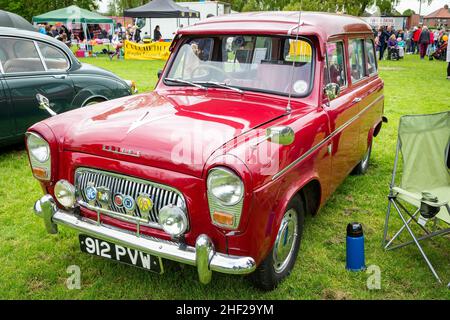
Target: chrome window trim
[[40, 55], [344, 57], [364, 58], [321, 143], [45, 63], [369, 40]]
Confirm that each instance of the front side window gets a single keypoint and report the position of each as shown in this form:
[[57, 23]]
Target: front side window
[[54, 58], [19, 55], [257, 63], [371, 58], [357, 63], [335, 68]]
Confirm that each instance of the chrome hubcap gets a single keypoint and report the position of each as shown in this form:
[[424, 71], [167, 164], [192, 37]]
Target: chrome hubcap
[[285, 241]]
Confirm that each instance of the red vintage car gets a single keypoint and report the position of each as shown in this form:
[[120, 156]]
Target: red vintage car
[[255, 121]]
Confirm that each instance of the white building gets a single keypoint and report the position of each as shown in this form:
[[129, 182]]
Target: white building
[[168, 26]]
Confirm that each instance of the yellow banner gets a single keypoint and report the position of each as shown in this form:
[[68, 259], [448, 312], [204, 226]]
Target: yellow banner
[[150, 51], [300, 48]]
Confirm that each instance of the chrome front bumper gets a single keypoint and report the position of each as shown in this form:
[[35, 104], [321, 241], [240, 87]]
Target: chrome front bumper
[[203, 255]]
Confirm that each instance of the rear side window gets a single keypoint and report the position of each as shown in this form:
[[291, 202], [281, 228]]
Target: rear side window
[[335, 68], [371, 57], [357, 63], [54, 58], [19, 55]]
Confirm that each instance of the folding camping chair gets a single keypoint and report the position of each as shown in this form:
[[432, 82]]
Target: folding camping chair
[[424, 142]]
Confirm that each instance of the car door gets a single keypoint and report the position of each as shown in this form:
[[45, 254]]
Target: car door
[[342, 112], [32, 67], [7, 126]]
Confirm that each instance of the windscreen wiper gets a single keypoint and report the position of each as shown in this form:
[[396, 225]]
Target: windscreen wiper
[[220, 85], [186, 82]]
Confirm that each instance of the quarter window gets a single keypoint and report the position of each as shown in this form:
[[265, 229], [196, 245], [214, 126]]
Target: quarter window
[[19, 55], [53, 57], [335, 68], [371, 58], [357, 63]]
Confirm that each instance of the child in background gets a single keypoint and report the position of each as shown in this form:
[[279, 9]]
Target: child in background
[[401, 47]]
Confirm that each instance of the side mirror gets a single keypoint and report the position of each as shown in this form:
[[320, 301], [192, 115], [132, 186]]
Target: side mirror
[[44, 104], [159, 74], [332, 91], [282, 135]]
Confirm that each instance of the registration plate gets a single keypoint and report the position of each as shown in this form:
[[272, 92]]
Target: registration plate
[[120, 253]]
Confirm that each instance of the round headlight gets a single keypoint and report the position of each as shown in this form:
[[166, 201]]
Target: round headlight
[[173, 220], [38, 147], [225, 185], [65, 193]]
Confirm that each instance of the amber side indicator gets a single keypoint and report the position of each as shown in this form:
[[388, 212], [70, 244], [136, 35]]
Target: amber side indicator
[[40, 173], [223, 218]]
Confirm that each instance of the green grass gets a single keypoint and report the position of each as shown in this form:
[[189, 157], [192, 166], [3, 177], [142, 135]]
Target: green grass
[[33, 264], [143, 72]]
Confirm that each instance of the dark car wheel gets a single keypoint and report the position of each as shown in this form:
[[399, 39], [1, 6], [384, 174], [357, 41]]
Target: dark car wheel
[[93, 101], [281, 259], [363, 165]]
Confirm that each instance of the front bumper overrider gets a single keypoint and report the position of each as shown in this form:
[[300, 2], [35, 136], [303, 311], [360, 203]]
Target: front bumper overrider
[[203, 255]]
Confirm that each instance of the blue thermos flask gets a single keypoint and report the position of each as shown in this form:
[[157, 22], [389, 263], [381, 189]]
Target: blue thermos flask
[[355, 247]]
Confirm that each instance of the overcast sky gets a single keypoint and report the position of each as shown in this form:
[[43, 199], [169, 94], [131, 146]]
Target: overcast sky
[[402, 6]]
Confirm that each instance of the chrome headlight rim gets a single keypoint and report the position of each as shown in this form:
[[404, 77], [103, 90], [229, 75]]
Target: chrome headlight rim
[[32, 135], [181, 213], [65, 194], [231, 173]]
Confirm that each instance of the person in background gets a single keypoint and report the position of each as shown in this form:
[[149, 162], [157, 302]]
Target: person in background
[[424, 41], [436, 39], [48, 30], [42, 29], [137, 34], [430, 47], [416, 36], [448, 58], [117, 45], [54, 31], [401, 47], [157, 34], [407, 38], [392, 47], [383, 38]]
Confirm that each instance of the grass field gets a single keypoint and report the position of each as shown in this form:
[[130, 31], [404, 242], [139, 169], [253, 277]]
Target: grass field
[[33, 264]]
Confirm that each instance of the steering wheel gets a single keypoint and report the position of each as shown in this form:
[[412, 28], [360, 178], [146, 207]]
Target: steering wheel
[[209, 67]]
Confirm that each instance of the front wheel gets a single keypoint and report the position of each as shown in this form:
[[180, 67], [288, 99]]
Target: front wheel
[[281, 259]]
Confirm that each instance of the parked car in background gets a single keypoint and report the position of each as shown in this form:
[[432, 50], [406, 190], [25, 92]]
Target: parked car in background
[[255, 121], [32, 63]]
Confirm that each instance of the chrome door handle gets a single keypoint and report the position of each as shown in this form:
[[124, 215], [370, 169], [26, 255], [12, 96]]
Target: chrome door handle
[[356, 100], [61, 76]]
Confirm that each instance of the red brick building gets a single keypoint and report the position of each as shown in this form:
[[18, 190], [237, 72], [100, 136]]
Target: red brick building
[[438, 18]]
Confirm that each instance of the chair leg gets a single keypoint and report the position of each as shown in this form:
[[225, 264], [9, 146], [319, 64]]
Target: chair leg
[[386, 223], [418, 244], [401, 229]]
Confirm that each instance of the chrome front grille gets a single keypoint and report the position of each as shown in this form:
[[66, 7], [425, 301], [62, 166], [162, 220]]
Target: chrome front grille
[[161, 195]]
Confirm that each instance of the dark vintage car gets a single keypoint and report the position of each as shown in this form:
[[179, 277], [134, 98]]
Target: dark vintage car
[[32, 63], [255, 121]]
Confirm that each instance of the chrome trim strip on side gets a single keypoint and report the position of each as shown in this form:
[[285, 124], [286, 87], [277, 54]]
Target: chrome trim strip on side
[[321, 143]]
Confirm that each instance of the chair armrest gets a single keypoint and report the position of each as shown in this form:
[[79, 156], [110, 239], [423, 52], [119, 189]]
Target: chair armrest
[[418, 197]]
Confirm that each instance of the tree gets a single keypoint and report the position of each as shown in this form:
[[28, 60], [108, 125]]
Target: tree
[[408, 12], [28, 9]]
